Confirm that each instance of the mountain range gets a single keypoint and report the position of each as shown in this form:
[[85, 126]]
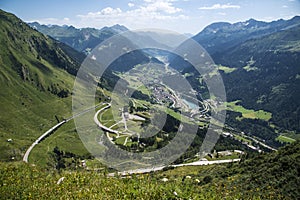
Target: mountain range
[[220, 36], [265, 73], [259, 63], [83, 40]]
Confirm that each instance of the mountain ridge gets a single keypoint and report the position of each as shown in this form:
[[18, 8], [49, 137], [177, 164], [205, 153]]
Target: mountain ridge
[[220, 36], [267, 64], [259, 73], [81, 39]]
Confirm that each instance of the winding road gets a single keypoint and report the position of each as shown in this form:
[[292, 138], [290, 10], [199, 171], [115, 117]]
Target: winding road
[[26, 155], [146, 170], [196, 163], [51, 130], [101, 125]]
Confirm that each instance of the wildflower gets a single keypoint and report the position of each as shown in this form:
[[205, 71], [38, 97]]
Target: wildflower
[[60, 180], [164, 179]]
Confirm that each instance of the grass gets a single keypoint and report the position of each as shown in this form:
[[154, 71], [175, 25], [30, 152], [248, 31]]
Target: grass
[[225, 69], [292, 134], [182, 183], [242, 139], [249, 179], [285, 139], [134, 83], [292, 46], [213, 73], [248, 68], [250, 65], [141, 103], [106, 115], [65, 138], [188, 75], [25, 122], [28, 105], [121, 140], [144, 90], [178, 116], [110, 123], [250, 114], [134, 126]]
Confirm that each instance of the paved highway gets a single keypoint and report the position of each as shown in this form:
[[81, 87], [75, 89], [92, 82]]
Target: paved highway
[[99, 124], [47, 133], [26, 155], [196, 163]]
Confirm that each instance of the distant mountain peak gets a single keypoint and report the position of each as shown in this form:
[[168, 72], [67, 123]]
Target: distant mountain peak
[[120, 27], [81, 39], [215, 27], [251, 20], [223, 35], [117, 28]]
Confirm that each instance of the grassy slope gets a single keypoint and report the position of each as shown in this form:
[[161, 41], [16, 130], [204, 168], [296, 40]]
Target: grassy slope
[[251, 114], [269, 176], [65, 138], [285, 139], [32, 73]]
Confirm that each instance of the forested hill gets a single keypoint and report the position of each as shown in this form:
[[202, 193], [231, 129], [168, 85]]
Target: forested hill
[[260, 66], [268, 68]]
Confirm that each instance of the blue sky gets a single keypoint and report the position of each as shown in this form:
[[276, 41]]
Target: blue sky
[[183, 16]]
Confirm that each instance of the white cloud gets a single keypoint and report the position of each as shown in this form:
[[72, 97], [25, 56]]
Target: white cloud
[[131, 5], [220, 6], [285, 6], [107, 11], [150, 13], [160, 6]]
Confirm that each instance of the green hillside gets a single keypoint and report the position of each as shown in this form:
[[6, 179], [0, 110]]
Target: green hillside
[[37, 75], [268, 69], [36, 79], [36, 82], [268, 176], [261, 75]]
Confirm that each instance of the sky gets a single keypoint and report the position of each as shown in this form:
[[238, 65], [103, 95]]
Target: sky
[[182, 16]]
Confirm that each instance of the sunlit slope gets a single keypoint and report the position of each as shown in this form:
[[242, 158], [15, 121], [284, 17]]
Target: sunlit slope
[[269, 176], [36, 83]]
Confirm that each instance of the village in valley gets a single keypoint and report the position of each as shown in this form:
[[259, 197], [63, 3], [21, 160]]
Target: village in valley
[[124, 125]]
